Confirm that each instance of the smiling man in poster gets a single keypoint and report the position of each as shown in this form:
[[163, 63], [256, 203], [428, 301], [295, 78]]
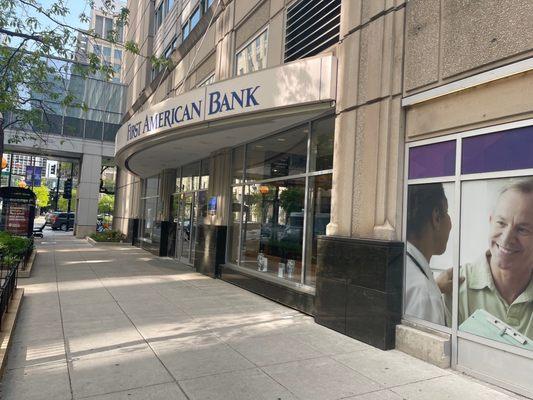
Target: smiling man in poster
[[500, 282]]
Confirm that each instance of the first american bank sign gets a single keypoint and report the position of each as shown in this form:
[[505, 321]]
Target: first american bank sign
[[217, 103], [301, 82]]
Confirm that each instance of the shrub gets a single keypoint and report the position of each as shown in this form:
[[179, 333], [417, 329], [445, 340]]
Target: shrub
[[108, 236], [14, 248]]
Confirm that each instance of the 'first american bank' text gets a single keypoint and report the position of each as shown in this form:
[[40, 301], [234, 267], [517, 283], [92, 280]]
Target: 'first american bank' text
[[218, 103]]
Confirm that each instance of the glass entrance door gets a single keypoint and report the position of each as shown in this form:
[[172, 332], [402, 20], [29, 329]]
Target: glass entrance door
[[185, 223]]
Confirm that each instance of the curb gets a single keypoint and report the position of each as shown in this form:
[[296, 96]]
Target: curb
[[8, 326], [26, 272], [93, 242]]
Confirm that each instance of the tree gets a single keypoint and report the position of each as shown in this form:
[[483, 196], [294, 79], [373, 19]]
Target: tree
[[32, 37], [106, 204], [292, 200], [42, 193], [62, 203]]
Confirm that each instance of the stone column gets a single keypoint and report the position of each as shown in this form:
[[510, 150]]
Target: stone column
[[366, 198], [212, 232], [167, 186], [360, 263], [88, 194], [127, 199]]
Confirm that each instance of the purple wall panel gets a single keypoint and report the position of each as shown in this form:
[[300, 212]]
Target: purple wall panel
[[501, 151], [432, 160]]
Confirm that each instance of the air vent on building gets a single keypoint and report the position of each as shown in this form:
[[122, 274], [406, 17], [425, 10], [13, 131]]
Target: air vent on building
[[312, 27]]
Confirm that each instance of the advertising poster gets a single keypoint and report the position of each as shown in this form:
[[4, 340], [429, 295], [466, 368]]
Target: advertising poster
[[33, 176], [496, 257], [429, 252], [17, 219]]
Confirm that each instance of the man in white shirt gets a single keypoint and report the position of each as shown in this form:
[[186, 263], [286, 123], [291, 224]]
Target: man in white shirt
[[428, 230]]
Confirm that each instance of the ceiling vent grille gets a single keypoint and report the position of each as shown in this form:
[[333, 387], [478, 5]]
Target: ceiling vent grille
[[312, 27]]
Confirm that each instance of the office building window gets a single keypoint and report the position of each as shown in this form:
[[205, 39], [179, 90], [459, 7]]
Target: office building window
[[207, 81], [158, 18], [253, 56], [99, 26], [108, 27], [191, 22], [106, 52]]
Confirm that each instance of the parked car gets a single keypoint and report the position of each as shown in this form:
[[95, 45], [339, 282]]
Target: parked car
[[59, 221], [48, 216]]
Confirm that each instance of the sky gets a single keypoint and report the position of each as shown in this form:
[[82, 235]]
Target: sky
[[76, 7]]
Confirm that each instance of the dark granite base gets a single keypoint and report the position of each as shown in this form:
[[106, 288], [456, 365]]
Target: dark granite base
[[359, 288], [210, 249], [300, 301], [133, 231]]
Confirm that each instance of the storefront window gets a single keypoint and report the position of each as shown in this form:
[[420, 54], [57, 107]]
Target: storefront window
[[433, 160], [151, 221], [320, 215], [277, 156], [152, 187], [273, 228], [492, 263], [204, 175], [322, 144], [272, 232], [178, 180], [237, 164], [189, 208], [190, 179], [235, 225], [496, 288], [500, 151], [429, 250]]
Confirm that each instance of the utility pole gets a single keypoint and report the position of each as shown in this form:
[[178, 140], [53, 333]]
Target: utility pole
[[2, 144], [57, 186], [10, 169], [70, 195]]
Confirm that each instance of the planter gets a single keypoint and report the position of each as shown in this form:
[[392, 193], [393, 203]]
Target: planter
[[26, 264], [93, 242]]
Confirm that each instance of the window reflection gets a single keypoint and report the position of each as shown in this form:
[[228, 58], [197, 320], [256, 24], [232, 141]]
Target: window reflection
[[320, 215], [235, 225], [253, 57], [322, 144], [277, 156], [273, 228]]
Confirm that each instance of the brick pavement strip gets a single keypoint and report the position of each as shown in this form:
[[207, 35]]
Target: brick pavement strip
[[118, 323]]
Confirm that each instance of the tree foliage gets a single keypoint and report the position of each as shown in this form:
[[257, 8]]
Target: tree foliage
[[42, 193], [37, 43], [106, 204], [62, 203]]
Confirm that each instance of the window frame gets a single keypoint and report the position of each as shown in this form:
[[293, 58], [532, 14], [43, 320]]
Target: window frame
[[207, 80], [265, 28], [458, 178], [187, 26], [307, 175]]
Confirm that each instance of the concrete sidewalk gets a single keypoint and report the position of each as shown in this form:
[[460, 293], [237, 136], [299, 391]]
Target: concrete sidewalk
[[119, 323]]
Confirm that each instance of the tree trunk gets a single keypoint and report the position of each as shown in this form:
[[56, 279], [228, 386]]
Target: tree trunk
[[1, 142]]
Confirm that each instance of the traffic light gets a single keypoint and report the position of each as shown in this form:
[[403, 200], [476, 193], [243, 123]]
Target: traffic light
[[67, 190]]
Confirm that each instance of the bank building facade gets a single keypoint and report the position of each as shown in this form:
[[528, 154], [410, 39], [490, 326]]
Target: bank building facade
[[362, 161]]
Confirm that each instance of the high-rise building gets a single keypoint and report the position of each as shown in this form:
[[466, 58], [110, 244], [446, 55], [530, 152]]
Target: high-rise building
[[366, 162], [102, 23], [18, 163]]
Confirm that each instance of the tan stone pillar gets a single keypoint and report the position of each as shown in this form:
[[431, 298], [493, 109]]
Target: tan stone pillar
[[219, 185], [167, 186], [367, 166]]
